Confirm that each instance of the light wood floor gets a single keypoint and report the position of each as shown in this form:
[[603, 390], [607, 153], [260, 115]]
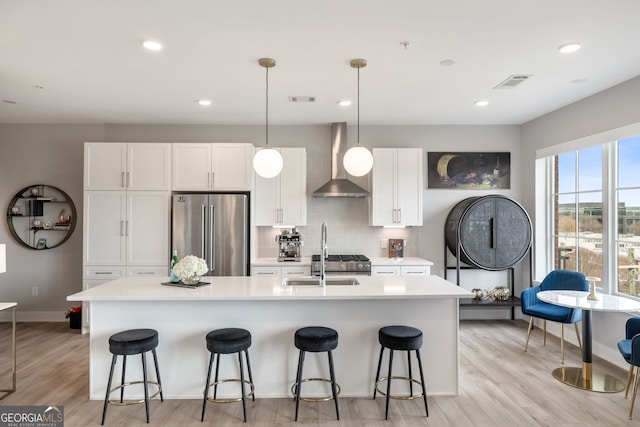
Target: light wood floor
[[500, 386]]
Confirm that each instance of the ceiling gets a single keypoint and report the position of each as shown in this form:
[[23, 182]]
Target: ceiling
[[78, 61]]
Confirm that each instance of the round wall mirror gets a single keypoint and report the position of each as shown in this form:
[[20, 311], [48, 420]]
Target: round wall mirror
[[41, 217]]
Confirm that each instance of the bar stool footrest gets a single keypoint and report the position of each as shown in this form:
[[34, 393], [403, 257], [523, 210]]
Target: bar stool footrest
[[133, 402], [315, 399], [233, 380], [399, 396]]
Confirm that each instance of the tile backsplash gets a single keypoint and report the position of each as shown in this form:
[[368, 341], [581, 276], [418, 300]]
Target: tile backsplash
[[348, 231]]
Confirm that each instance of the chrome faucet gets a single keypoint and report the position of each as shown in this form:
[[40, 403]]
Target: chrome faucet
[[324, 253]]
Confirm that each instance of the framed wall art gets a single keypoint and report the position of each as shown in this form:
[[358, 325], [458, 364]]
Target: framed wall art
[[469, 171]]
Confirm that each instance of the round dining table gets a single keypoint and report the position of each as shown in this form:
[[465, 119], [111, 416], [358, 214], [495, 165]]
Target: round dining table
[[585, 377]]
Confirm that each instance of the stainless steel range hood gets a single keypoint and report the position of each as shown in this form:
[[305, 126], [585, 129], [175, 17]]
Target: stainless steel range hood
[[339, 185]]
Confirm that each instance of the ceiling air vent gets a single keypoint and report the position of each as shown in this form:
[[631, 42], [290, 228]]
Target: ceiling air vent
[[302, 99], [513, 80]]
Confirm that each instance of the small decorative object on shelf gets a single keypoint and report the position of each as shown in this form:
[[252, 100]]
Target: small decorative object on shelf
[[501, 293], [478, 294], [74, 314], [190, 269]]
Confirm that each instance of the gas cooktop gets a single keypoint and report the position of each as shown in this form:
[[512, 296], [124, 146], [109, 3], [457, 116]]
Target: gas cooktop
[[342, 264]]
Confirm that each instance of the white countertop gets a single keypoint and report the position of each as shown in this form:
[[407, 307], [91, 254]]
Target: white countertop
[[375, 261], [411, 260], [271, 288]]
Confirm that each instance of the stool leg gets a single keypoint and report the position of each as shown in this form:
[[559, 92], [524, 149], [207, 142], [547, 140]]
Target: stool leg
[[124, 368], [246, 355], [206, 387], [424, 387], [386, 411], [146, 386], [215, 380], [333, 383], [375, 385], [298, 387], [106, 398], [410, 373], [155, 362], [244, 404]]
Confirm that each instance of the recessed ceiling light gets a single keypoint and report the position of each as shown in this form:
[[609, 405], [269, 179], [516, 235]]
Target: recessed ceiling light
[[481, 103], [344, 103], [447, 62], [569, 47], [578, 81], [204, 102], [152, 45]]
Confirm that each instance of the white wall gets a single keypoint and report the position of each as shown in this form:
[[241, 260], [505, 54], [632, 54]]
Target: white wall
[[599, 113], [53, 154]]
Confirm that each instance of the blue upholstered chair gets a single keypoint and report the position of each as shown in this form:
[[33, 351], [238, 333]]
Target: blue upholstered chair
[[630, 350], [533, 307]]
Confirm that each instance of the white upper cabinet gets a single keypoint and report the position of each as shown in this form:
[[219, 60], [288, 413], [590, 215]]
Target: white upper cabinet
[[212, 167], [283, 200], [397, 187], [126, 228], [127, 166]]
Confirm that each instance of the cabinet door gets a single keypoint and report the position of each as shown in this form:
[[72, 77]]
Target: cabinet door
[[104, 228], [147, 228], [266, 271], [383, 187], [232, 167], [267, 200], [409, 186], [191, 167], [385, 270], [415, 270], [293, 187], [104, 166], [148, 167]]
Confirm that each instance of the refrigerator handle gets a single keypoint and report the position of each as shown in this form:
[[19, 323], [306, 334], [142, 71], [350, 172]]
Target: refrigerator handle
[[212, 234], [202, 229]]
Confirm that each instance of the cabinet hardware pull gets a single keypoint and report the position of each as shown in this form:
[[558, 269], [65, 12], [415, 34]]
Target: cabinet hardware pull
[[143, 272], [103, 272], [399, 216]]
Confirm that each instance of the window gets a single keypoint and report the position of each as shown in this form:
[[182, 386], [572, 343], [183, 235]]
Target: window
[[593, 213]]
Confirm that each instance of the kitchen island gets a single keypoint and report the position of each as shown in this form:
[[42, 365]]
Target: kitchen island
[[272, 312]]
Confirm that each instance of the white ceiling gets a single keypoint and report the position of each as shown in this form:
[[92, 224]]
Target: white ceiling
[[88, 58]]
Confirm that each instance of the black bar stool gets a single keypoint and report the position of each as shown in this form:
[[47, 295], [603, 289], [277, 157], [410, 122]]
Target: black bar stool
[[315, 339], [404, 338], [228, 341], [134, 341]]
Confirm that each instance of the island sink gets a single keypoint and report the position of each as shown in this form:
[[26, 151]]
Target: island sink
[[312, 281]]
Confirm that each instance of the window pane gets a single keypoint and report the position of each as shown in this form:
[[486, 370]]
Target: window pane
[[590, 256], [590, 214], [566, 177], [590, 169], [628, 241], [628, 160], [565, 215]]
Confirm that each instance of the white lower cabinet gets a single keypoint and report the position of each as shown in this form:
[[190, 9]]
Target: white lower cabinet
[[284, 271], [397, 270]]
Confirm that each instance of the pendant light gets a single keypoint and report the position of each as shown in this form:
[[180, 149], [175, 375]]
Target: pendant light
[[358, 161], [267, 162]]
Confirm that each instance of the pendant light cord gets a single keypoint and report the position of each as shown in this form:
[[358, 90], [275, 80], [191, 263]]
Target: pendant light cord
[[358, 106], [266, 130]]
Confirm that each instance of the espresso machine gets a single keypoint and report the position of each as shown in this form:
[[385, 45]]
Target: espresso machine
[[289, 242]]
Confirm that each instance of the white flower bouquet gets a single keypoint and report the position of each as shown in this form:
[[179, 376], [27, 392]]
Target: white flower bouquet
[[190, 268]]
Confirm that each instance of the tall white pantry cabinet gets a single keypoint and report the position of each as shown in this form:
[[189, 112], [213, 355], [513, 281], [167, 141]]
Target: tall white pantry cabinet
[[126, 215]]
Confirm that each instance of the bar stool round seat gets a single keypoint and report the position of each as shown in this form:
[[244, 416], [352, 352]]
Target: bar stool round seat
[[315, 339], [401, 338], [228, 341], [128, 343]]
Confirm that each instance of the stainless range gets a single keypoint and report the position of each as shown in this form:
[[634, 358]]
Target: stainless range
[[342, 264]]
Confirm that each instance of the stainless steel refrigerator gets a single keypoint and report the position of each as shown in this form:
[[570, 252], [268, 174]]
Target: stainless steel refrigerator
[[214, 227]]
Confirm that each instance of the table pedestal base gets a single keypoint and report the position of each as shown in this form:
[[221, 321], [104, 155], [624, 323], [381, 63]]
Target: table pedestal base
[[586, 379]]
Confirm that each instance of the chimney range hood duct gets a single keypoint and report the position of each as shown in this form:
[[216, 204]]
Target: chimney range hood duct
[[339, 185]]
